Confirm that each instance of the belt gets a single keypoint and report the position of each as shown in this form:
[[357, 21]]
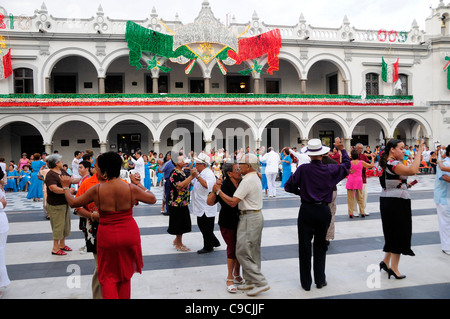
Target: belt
[[243, 212], [316, 203]]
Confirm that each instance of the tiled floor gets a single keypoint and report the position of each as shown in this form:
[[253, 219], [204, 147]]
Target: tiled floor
[[352, 258]]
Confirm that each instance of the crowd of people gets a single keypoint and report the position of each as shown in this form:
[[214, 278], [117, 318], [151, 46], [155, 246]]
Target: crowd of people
[[104, 190]]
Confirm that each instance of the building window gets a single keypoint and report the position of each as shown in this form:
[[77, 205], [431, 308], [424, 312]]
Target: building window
[[163, 84], [238, 84], [196, 86], [372, 84], [64, 84], [404, 79], [272, 86], [23, 81], [114, 83]]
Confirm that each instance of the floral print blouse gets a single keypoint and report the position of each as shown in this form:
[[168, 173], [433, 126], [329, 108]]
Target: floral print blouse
[[178, 197]]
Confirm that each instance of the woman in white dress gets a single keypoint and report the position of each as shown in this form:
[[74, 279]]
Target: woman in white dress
[[4, 227]]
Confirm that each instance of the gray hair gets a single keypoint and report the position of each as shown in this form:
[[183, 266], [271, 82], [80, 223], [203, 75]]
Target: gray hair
[[227, 168], [52, 160]]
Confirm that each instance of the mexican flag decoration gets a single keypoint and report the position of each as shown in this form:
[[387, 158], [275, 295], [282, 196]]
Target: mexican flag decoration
[[448, 72], [5, 65], [389, 72]]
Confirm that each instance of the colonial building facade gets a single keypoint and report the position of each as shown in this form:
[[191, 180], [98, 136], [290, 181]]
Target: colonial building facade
[[80, 84]]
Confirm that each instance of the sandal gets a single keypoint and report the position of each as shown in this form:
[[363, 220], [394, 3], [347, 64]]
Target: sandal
[[66, 248], [237, 281], [182, 248], [231, 288], [59, 253]]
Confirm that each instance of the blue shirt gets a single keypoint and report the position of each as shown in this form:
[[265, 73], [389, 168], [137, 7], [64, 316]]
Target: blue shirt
[[167, 169], [315, 181]]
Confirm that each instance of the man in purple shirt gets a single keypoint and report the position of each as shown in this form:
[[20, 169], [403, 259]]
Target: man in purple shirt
[[314, 183]]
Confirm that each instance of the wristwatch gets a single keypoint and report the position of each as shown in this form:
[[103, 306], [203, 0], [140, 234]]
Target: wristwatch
[[218, 192]]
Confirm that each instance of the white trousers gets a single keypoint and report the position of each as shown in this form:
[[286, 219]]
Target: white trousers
[[272, 190], [443, 212], [4, 279]]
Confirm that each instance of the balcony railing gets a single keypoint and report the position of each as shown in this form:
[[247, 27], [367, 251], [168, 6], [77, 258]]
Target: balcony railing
[[111, 100]]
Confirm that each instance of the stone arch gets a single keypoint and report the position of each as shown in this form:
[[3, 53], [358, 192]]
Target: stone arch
[[26, 119], [340, 64], [64, 119], [64, 53], [336, 117], [232, 116], [282, 116], [335, 60], [416, 117], [370, 116], [174, 117], [128, 117]]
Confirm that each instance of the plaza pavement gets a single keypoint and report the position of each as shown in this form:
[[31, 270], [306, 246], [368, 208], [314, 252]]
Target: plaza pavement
[[352, 258]]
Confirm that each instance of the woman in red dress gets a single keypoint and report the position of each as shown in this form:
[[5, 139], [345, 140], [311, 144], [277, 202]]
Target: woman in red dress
[[118, 237]]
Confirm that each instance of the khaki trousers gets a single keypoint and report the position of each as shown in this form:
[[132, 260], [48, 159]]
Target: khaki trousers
[[248, 247], [351, 195]]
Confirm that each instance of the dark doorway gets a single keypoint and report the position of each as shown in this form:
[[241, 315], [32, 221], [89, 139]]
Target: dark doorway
[[163, 84], [238, 84], [64, 84], [128, 143], [114, 83], [196, 86], [363, 139], [31, 144], [333, 84]]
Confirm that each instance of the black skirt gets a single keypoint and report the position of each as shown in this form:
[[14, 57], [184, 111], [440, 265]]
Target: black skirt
[[179, 220], [397, 225]]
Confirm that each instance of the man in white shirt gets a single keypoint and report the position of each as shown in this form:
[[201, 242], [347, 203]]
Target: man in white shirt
[[202, 186], [248, 198], [426, 154], [301, 157], [273, 160], [139, 165], [75, 164]]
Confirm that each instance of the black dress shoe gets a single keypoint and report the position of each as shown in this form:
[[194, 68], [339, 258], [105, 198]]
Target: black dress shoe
[[306, 288], [321, 285], [204, 251]]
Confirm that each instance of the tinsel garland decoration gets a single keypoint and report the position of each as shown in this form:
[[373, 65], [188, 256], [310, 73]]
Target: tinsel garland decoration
[[109, 100], [447, 70], [140, 39], [5, 65], [251, 48], [154, 64], [256, 68]]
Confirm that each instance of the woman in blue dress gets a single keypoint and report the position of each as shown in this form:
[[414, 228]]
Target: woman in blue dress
[[35, 190], [286, 161], [265, 187], [25, 178], [11, 184], [147, 179]]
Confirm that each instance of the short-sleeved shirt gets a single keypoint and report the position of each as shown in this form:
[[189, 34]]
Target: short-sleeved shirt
[[249, 192], [200, 194], [52, 178], [228, 216], [178, 197]]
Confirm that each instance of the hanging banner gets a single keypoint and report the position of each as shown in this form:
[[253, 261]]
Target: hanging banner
[[251, 48]]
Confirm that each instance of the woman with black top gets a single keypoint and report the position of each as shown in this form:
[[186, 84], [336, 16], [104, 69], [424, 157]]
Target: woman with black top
[[395, 205], [228, 221]]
